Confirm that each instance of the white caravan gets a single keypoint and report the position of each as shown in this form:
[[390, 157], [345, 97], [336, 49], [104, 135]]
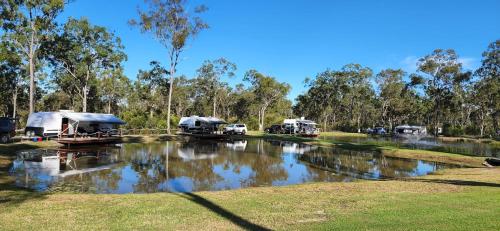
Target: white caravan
[[47, 124]]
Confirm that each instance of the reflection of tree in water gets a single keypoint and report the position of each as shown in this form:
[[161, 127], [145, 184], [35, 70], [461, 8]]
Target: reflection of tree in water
[[148, 162], [359, 163]]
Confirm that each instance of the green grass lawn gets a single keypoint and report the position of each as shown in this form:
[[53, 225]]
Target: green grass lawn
[[451, 199]]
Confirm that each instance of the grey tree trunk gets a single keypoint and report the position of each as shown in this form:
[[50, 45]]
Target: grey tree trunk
[[85, 91], [215, 105], [172, 72], [32, 81]]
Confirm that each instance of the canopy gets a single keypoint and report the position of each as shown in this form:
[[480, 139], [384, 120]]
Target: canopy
[[92, 117]]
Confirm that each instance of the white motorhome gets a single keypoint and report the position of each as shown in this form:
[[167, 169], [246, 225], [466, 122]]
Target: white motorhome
[[197, 124], [47, 124]]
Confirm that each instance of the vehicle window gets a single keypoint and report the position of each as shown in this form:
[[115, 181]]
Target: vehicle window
[[240, 125]]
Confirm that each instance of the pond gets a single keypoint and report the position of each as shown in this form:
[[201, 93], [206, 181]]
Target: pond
[[464, 147], [176, 166]]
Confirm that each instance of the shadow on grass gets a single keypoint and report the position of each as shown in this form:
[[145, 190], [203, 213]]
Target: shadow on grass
[[11, 195], [455, 182], [444, 181], [235, 219]]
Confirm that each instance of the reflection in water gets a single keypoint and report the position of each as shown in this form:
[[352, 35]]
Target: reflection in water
[[202, 166]]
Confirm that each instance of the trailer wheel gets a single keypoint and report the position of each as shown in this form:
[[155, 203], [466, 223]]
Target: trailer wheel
[[4, 138]]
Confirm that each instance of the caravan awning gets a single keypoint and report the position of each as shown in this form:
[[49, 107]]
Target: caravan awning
[[92, 117]]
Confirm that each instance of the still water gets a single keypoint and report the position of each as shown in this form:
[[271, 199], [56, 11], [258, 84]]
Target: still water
[[201, 166], [430, 143]]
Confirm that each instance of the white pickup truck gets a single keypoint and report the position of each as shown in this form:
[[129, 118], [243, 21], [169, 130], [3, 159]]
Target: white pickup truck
[[235, 129]]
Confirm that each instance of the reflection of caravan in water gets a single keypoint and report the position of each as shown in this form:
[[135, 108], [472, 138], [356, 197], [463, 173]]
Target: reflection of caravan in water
[[297, 148], [301, 126], [64, 162], [410, 132], [200, 125], [197, 151]]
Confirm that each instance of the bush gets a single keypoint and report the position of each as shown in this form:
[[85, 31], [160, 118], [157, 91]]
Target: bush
[[450, 130]]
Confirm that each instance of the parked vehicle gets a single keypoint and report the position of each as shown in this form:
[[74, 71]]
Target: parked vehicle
[[300, 126], [236, 129], [67, 123], [275, 129], [376, 131], [200, 125], [7, 129], [43, 124], [410, 132]]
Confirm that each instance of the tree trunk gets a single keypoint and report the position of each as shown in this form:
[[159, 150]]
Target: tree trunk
[[261, 126], [14, 102], [109, 105], [85, 91], [171, 88], [32, 81], [215, 104], [358, 122]]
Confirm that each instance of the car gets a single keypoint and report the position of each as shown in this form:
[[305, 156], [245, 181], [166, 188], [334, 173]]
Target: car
[[7, 129], [235, 129], [275, 129], [377, 131]]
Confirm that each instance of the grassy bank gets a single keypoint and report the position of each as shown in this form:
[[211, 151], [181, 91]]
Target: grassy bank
[[455, 199]]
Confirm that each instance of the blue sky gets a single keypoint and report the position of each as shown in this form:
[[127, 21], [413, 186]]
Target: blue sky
[[293, 39]]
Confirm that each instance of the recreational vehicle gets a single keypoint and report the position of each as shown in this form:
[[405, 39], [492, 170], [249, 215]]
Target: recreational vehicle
[[300, 126], [69, 123], [407, 131], [200, 125]]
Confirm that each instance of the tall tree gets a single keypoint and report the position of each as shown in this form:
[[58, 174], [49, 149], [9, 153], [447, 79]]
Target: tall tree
[[210, 74], [29, 23], [115, 86], [172, 25], [440, 70], [488, 86], [360, 93], [11, 72], [82, 52], [267, 92]]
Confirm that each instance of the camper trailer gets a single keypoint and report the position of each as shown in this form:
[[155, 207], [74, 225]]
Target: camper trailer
[[200, 125], [301, 127], [69, 123], [43, 124], [410, 132]]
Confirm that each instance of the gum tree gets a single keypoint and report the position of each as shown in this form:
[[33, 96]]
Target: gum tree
[[267, 92], [30, 23], [210, 74], [173, 26]]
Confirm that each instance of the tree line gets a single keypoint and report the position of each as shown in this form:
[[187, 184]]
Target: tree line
[[441, 94], [46, 66]]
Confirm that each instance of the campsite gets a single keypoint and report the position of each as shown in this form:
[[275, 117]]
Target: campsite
[[249, 115]]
